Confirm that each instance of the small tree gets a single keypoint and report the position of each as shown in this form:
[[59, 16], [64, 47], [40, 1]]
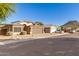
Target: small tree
[[62, 28], [39, 23]]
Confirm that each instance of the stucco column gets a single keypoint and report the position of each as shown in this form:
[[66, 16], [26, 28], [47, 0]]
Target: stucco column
[[30, 30], [9, 29], [12, 30], [22, 29], [43, 29]]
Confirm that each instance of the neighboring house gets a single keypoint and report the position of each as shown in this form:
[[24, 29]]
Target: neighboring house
[[1, 27], [50, 28], [11, 29]]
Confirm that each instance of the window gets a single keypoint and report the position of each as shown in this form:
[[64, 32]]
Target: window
[[17, 29]]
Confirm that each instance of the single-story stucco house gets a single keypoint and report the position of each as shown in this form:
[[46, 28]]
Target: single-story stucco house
[[20, 27]]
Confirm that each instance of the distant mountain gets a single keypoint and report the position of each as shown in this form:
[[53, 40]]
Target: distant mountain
[[21, 21], [72, 24]]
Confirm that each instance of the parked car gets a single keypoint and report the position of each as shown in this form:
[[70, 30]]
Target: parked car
[[72, 31], [58, 31]]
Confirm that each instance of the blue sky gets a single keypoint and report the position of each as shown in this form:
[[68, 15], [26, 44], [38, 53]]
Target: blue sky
[[48, 13]]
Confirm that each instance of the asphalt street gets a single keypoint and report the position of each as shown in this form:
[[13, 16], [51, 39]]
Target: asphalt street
[[64, 45]]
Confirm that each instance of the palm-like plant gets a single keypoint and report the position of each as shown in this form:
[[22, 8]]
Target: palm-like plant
[[5, 10]]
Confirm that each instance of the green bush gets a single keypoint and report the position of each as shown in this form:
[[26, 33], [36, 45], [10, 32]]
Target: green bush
[[23, 33], [9, 33]]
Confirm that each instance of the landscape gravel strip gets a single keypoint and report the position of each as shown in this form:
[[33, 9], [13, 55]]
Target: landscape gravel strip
[[26, 39]]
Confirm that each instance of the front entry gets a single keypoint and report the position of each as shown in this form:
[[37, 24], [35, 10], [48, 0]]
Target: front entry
[[27, 29]]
